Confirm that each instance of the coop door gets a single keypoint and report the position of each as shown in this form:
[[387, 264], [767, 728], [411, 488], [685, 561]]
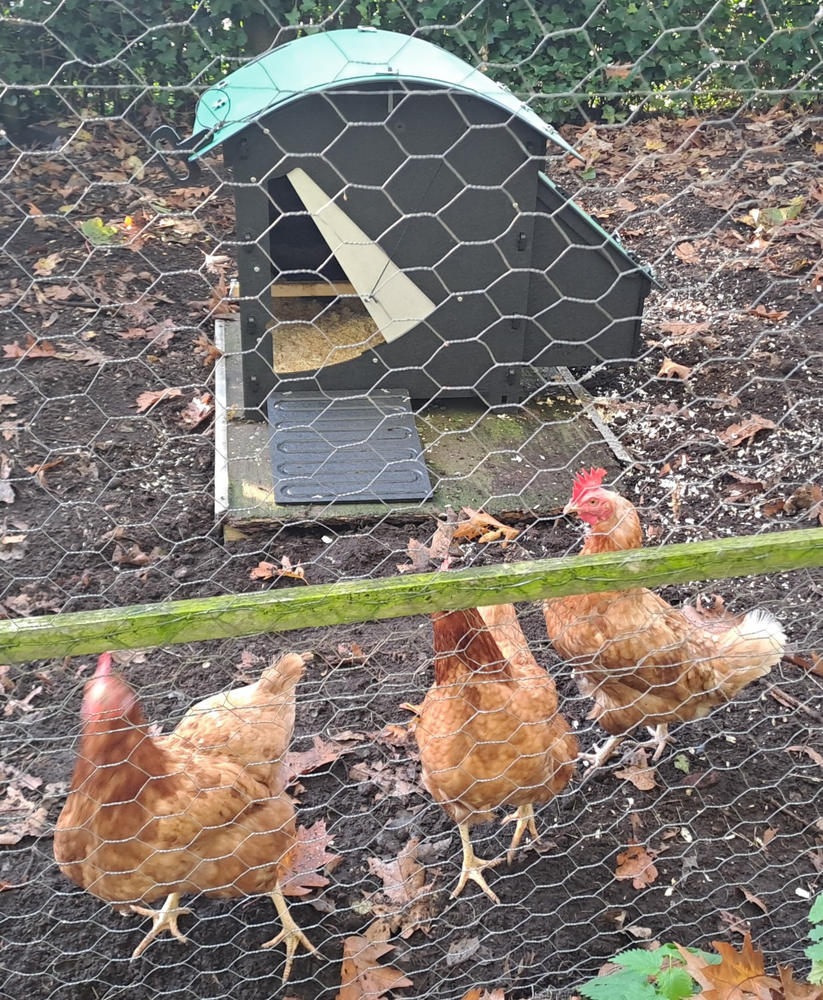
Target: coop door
[[394, 303]]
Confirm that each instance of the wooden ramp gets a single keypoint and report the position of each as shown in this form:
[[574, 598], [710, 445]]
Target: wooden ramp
[[519, 461]]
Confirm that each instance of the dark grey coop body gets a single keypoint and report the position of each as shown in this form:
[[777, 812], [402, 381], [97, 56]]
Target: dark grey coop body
[[378, 166]]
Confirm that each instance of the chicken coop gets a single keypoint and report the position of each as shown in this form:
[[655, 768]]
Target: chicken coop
[[399, 244]]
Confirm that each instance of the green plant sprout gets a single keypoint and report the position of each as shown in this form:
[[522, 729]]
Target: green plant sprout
[[647, 975]]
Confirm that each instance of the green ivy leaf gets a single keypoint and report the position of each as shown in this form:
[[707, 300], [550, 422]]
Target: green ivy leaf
[[675, 983], [625, 985], [97, 232], [641, 960], [816, 912], [681, 762]]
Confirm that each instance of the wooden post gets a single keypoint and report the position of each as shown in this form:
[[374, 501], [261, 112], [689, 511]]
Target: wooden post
[[275, 611]]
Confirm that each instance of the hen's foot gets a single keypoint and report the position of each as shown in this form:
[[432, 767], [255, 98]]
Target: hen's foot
[[291, 933], [164, 919], [599, 757], [473, 867], [525, 822], [660, 739]]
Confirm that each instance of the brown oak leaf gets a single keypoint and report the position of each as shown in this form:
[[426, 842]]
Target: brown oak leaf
[[362, 975], [637, 863]]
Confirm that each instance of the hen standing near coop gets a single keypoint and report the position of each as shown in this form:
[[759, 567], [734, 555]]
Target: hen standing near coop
[[489, 731], [641, 660], [203, 809]]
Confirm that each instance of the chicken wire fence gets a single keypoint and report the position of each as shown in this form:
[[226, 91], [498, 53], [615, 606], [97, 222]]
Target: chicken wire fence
[[147, 321]]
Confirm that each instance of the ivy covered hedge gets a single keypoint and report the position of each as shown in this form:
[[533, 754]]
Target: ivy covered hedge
[[572, 58]]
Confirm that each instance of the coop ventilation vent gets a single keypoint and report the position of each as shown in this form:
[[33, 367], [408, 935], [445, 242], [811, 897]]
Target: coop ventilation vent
[[345, 448]]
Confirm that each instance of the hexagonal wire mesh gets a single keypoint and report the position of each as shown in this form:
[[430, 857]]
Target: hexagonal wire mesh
[[400, 234]]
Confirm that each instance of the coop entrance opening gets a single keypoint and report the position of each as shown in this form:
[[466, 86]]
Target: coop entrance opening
[[335, 292]]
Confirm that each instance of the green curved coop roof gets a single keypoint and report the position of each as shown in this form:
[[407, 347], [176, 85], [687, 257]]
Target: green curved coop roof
[[331, 59]]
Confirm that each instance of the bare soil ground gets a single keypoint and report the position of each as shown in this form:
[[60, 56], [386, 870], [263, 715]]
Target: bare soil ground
[[105, 506]]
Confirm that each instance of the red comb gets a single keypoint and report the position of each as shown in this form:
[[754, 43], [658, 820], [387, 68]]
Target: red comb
[[103, 665], [584, 481]]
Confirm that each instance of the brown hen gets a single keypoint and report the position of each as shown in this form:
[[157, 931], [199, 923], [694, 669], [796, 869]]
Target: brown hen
[[201, 810], [489, 731], [641, 660]]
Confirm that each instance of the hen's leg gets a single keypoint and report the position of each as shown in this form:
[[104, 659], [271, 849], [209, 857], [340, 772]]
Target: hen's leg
[[660, 739], [473, 867], [291, 933], [524, 820], [163, 919]]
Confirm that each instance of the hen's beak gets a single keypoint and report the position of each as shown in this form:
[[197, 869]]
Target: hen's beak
[[570, 508]]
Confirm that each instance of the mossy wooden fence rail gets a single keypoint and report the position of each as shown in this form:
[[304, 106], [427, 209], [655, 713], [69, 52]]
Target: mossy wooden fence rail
[[196, 619]]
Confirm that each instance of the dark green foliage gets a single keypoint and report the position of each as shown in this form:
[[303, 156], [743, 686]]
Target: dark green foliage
[[571, 59], [815, 950], [647, 975]]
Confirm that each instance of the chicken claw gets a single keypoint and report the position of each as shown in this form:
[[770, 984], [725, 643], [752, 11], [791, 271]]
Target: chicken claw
[[524, 819], [660, 739], [473, 867], [163, 919], [599, 757], [291, 933]]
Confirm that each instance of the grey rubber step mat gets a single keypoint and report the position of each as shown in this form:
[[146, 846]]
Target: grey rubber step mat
[[342, 447]]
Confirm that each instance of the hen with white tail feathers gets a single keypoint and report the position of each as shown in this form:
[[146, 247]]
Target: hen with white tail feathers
[[642, 661]]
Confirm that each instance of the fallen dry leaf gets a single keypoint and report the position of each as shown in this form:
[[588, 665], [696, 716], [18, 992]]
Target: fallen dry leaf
[[31, 350], [12, 546], [637, 863], [22, 704], [268, 571], [300, 762], [763, 313], [210, 352], [393, 779], [683, 332], [419, 556], [638, 771], [814, 664], [768, 836], [7, 400], [771, 508], [735, 922], [809, 498], [150, 398], [20, 817], [687, 252], [810, 751], [134, 555], [670, 369], [198, 409], [744, 488], [484, 528], [45, 265], [462, 950], [309, 857], [408, 903], [41, 469], [400, 737], [362, 976], [6, 489], [756, 900], [739, 976], [737, 434]]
